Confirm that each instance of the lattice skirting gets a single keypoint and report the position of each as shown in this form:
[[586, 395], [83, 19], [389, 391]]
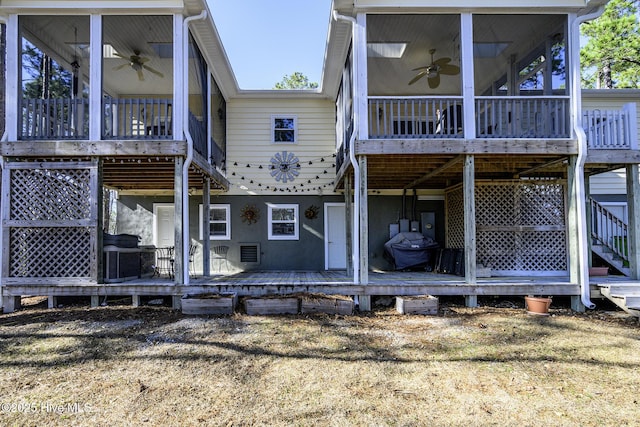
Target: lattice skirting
[[50, 219], [520, 226]]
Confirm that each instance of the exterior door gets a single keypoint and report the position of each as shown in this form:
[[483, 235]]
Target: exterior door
[[165, 228], [335, 236]]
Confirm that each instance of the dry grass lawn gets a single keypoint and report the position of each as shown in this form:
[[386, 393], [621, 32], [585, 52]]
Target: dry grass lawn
[[120, 365]]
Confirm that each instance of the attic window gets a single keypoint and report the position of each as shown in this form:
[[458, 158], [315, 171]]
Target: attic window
[[386, 50]]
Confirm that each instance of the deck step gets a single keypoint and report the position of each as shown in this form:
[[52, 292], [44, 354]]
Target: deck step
[[624, 295]]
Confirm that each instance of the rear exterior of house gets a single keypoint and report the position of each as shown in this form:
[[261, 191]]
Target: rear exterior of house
[[458, 121]]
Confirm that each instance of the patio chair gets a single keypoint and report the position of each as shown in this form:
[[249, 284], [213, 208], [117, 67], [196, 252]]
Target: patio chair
[[192, 254], [220, 254], [164, 262]]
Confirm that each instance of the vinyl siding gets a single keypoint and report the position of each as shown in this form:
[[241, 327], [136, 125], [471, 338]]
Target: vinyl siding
[[249, 143], [610, 182]]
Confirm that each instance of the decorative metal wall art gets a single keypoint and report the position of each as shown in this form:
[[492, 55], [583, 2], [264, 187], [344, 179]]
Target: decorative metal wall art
[[285, 166], [250, 214]]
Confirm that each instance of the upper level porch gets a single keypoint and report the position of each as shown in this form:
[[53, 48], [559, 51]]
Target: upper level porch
[[128, 88]]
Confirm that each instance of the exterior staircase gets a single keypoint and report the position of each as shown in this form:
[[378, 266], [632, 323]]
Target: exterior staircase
[[625, 295], [609, 237]]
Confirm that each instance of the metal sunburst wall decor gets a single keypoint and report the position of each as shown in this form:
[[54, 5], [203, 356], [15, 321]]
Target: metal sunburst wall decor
[[285, 166]]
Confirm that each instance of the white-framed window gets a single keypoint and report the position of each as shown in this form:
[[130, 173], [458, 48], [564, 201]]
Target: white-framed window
[[219, 222], [284, 129], [283, 222]]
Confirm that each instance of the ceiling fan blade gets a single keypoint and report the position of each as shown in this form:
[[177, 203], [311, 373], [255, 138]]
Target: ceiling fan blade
[[156, 72], [120, 56], [450, 69], [119, 67], [420, 75], [434, 81], [442, 61], [426, 67], [143, 60], [140, 75]]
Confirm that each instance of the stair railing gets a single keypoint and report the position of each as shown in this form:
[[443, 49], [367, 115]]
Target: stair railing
[[608, 230]]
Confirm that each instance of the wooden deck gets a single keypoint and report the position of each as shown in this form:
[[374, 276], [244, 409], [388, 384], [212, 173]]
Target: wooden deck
[[257, 283], [260, 283]]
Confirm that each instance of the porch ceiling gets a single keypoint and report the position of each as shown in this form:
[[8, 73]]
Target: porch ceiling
[[148, 174], [428, 171]]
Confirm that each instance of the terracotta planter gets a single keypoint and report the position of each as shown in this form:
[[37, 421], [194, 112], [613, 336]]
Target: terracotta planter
[[598, 271], [538, 306]]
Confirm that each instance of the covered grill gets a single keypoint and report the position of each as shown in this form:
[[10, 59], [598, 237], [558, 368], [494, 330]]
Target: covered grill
[[410, 250]]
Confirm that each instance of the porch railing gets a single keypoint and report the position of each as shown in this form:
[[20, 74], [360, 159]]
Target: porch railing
[[496, 117], [523, 117], [611, 129], [54, 118], [608, 230], [415, 117], [198, 131], [137, 118]]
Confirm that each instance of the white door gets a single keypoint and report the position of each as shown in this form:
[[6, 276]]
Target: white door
[[335, 236], [165, 228]]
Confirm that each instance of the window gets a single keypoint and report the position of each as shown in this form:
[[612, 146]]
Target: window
[[283, 222], [285, 129], [219, 222]]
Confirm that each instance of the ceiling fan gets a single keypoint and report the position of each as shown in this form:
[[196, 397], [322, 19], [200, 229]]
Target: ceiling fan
[[137, 63], [434, 70]]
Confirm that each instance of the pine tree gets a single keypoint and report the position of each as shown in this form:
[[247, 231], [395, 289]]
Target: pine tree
[[611, 57]]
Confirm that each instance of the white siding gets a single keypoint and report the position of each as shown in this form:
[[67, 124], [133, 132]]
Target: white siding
[[249, 143], [610, 182]]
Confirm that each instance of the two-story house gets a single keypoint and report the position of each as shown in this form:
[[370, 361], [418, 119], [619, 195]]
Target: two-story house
[[452, 120]]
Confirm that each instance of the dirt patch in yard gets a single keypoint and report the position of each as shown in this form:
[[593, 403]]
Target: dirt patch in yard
[[492, 365]]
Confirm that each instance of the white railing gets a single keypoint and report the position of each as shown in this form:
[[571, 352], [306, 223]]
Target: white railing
[[523, 117], [496, 117], [54, 118], [609, 230], [611, 129], [415, 117], [137, 118]]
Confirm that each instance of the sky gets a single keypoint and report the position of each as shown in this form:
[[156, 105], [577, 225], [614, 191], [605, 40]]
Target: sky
[[268, 39]]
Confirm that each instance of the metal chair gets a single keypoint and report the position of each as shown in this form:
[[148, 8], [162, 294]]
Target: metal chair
[[192, 253], [165, 261], [220, 254]]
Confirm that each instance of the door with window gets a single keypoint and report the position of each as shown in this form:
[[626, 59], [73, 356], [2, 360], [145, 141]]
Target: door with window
[[164, 225]]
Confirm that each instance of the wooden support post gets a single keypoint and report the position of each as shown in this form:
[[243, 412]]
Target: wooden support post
[[471, 300], [365, 300], [206, 241], [633, 206], [135, 300], [468, 189], [52, 301], [95, 301], [348, 213], [572, 227], [100, 212], [179, 222], [576, 304], [176, 302], [588, 217], [10, 303]]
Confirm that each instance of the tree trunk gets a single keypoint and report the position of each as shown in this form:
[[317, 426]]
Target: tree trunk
[[607, 81]]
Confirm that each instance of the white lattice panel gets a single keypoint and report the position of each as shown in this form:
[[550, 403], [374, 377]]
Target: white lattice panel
[[520, 225], [455, 218], [50, 221], [50, 194], [50, 252]]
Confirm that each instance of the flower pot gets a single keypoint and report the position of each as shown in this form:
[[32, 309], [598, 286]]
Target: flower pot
[[598, 271], [537, 306]]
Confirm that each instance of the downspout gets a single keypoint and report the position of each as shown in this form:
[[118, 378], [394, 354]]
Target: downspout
[[583, 254], [5, 137], [355, 256], [186, 238]]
